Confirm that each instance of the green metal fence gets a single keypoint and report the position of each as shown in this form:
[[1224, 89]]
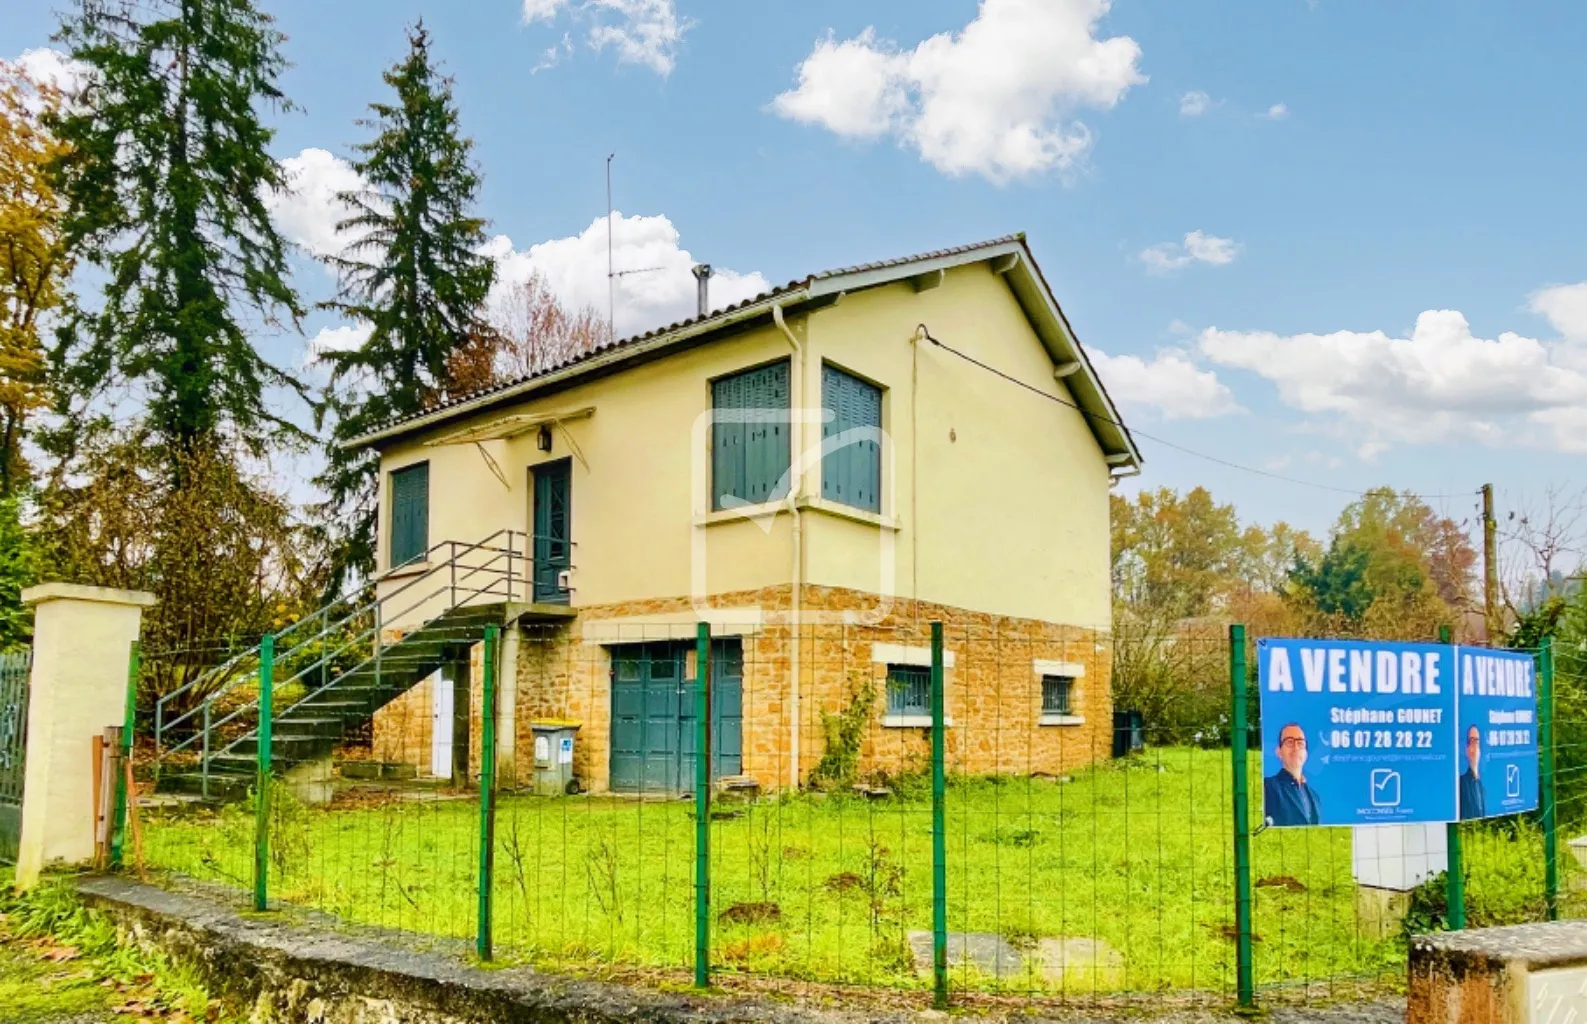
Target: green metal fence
[[14, 669], [657, 801]]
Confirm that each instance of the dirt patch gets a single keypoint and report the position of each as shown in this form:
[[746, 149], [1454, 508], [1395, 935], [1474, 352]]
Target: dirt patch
[[844, 881], [1288, 882], [751, 913]]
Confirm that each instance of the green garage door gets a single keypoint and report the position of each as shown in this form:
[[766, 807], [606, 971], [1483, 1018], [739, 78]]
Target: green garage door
[[653, 715]]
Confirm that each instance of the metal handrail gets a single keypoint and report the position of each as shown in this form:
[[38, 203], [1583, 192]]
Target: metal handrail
[[323, 612], [333, 684], [456, 550]]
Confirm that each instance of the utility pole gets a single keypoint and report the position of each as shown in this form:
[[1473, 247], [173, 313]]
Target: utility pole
[[1490, 567]]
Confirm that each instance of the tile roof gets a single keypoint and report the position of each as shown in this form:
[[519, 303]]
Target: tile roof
[[609, 345]]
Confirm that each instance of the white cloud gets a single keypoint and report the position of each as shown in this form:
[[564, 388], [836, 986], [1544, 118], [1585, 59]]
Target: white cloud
[[1368, 451], [1565, 308], [660, 293], [574, 267], [1170, 385], [344, 338], [990, 99], [542, 10], [1439, 383], [50, 67], [1277, 112], [644, 32], [1198, 247], [1194, 103], [307, 210]]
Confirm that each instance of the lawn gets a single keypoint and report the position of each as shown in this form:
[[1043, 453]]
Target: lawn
[[1136, 854]]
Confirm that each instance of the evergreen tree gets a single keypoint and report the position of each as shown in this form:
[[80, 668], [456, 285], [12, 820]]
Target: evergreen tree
[[412, 271], [164, 180]]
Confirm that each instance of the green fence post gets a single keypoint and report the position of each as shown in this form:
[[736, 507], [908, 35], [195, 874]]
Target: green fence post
[[261, 840], [118, 822], [1455, 874], [939, 831], [702, 806], [487, 797], [1244, 972], [1545, 736]]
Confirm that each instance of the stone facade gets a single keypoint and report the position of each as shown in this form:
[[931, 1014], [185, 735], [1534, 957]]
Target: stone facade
[[992, 687]]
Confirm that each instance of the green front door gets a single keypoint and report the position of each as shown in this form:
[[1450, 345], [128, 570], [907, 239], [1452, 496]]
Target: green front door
[[653, 715]]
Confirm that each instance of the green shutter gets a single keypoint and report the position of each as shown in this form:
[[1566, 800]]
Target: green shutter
[[851, 474], [750, 451], [410, 513]]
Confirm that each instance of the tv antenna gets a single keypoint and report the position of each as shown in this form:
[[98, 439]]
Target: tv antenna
[[612, 274]]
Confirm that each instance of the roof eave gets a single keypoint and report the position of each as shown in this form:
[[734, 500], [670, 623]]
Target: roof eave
[[614, 356], [1030, 288]]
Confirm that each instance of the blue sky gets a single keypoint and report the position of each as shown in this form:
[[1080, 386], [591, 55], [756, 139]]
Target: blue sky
[[1340, 167]]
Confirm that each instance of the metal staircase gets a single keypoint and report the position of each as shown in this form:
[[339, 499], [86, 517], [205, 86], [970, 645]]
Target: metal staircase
[[335, 668]]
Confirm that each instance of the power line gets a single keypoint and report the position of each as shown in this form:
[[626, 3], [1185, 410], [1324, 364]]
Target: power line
[[1160, 440]]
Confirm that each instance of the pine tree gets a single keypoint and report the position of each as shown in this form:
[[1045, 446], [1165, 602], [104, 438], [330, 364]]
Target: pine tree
[[412, 271], [164, 181]]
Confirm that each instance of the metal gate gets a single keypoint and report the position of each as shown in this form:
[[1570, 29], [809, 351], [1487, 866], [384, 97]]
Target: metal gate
[[13, 747]]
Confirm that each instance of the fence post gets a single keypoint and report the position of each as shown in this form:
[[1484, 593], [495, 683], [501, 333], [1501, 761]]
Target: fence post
[[939, 831], [702, 806], [118, 822], [1245, 975], [1545, 735], [487, 797], [1455, 872], [261, 840]]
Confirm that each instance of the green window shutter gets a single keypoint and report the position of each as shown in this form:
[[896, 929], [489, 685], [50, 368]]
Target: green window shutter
[[851, 474], [908, 690], [750, 451], [410, 513]]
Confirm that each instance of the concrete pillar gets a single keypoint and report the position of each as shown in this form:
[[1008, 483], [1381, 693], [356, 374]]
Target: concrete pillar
[[82, 640], [507, 708]]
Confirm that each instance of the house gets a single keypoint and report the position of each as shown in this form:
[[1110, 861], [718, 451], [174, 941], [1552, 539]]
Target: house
[[954, 465]]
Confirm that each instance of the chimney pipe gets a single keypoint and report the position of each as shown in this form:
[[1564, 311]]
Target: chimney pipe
[[702, 274]]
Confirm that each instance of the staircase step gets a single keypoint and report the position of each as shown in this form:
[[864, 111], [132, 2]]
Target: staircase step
[[292, 748], [328, 727], [222, 786]]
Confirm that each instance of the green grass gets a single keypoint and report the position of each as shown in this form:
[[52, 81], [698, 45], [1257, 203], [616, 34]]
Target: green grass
[[62, 962], [1137, 854]]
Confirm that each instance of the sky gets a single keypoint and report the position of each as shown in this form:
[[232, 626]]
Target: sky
[[1335, 243]]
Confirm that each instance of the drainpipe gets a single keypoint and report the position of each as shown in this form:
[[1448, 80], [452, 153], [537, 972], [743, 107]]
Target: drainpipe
[[795, 492]]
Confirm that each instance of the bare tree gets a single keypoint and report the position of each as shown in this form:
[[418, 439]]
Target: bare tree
[[1543, 543], [535, 332]]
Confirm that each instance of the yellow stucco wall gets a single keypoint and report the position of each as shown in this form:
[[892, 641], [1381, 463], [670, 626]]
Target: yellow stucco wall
[[1009, 509], [1000, 496], [638, 482]]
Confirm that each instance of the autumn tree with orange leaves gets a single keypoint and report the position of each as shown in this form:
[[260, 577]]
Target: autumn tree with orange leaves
[[34, 264]]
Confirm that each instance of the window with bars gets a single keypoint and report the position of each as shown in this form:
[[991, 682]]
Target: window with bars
[[750, 437], [852, 473], [410, 514], [1056, 694], [908, 690]]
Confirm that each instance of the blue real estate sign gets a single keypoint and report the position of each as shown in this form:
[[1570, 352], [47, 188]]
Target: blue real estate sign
[[1369, 733], [1497, 735], [1357, 733]]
